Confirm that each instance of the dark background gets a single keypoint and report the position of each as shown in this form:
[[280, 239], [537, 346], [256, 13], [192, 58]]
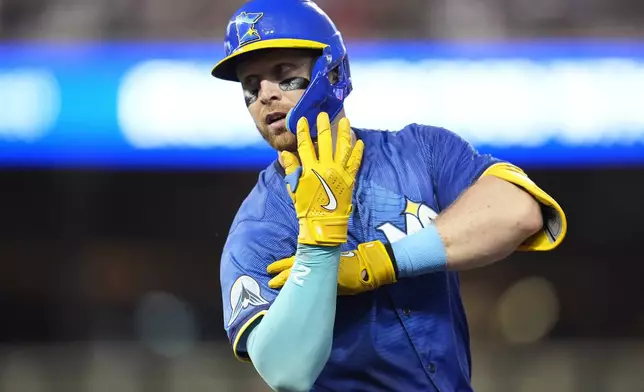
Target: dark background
[[82, 250], [109, 279]]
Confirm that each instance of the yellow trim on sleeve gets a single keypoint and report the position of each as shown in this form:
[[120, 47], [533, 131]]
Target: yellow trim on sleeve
[[555, 224], [241, 332], [225, 68]]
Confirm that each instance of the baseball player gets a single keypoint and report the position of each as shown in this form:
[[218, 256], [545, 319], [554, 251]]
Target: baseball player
[[340, 271]]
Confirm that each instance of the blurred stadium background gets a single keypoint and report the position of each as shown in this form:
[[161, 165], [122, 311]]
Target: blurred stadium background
[[123, 163]]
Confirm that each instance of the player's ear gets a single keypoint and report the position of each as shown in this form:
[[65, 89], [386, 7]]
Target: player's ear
[[334, 75]]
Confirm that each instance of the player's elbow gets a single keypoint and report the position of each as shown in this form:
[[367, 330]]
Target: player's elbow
[[528, 217], [290, 382], [515, 208], [287, 370], [285, 379]]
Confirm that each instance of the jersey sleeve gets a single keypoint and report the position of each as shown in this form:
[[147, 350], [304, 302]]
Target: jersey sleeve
[[454, 163], [249, 249]]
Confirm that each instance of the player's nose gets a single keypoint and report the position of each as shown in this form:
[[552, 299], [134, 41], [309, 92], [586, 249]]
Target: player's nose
[[269, 91]]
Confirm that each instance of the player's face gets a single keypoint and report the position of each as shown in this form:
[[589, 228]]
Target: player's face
[[273, 82]]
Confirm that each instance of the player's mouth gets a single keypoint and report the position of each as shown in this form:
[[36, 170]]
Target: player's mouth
[[276, 121]]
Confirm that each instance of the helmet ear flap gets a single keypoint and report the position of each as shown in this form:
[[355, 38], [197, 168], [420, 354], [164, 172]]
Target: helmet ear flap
[[330, 85]]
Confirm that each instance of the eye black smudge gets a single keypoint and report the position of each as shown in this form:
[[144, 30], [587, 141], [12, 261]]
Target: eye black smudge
[[250, 96], [297, 83]]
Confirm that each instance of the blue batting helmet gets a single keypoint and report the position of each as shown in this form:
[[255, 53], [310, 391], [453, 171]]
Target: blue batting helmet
[[300, 24]]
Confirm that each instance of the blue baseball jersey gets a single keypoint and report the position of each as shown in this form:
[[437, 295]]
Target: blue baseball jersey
[[409, 336]]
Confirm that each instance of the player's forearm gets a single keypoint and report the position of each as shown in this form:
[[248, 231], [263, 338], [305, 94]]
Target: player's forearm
[[487, 223], [292, 343]]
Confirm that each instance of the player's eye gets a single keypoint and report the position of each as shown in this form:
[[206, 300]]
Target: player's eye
[[250, 83]]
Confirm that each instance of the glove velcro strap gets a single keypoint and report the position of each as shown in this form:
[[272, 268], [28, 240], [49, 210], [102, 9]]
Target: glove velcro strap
[[378, 263], [324, 231]]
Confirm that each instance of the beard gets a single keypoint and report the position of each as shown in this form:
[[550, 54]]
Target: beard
[[281, 139]]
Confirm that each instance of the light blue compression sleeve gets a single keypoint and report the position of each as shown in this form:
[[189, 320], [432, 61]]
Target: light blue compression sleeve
[[292, 343], [420, 253]]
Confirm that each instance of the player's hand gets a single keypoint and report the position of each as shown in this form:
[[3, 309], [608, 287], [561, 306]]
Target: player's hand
[[323, 194], [361, 270]]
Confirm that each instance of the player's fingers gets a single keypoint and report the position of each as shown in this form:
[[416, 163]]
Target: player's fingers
[[290, 161], [304, 143], [280, 265], [356, 158], [280, 280], [325, 141], [343, 144], [293, 170]]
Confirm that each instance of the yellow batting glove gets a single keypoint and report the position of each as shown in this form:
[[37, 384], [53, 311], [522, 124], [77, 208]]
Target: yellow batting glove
[[364, 269], [323, 193]]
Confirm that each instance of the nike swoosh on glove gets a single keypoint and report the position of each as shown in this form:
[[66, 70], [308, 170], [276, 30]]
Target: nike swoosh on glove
[[323, 195]]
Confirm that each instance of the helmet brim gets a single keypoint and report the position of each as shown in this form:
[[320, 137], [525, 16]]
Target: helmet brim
[[226, 69]]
